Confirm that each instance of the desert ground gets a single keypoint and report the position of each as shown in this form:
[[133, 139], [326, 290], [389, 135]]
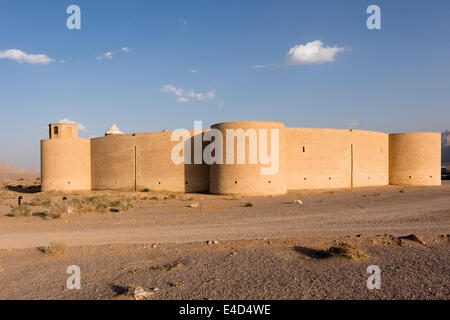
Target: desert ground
[[199, 246]]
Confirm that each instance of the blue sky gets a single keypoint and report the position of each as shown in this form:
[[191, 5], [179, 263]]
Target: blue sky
[[395, 79]]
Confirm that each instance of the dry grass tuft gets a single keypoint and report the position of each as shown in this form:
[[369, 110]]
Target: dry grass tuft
[[22, 211], [55, 249], [347, 250], [99, 204]]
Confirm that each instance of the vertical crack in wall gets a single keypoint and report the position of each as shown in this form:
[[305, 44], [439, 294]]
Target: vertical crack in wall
[[351, 166], [135, 169]]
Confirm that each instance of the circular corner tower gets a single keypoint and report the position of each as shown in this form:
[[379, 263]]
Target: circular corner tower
[[415, 158], [253, 154]]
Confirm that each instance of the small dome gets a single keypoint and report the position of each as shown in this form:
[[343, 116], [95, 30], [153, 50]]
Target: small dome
[[114, 129]]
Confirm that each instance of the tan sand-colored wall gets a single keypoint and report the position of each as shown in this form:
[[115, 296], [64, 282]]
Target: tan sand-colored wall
[[335, 158], [63, 131], [415, 158], [318, 158], [370, 158], [308, 159], [66, 164], [158, 172], [143, 160], [246, 179], [112, 159]]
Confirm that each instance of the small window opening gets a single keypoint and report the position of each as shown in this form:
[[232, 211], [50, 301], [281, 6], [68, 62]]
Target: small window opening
[[55, 130], [303, 148]]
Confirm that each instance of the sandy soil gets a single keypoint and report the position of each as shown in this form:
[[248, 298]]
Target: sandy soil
[[245, 269], [115, 250]]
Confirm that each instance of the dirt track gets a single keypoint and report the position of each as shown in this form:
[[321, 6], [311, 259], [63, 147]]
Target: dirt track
[[390, 209], [116, 250]]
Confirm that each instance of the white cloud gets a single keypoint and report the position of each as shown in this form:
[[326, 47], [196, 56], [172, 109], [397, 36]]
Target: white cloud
[[193, 71], [20, 56], [67, 120], [258, 67], [168, 88], [185, 96], [183, 99], [183, 21], [310, 53], [109, 55], [221, 105], [63, 61], [201, 96], [354, 124]]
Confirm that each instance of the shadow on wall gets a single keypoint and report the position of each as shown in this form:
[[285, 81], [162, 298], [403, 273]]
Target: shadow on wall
[[196, 176], [26, 190]]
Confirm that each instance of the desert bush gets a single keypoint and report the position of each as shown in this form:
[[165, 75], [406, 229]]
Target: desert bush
[[55, 249], [100, 203], [42, 200], [248, 205], [21, 211], [145, 190], [347, 250]]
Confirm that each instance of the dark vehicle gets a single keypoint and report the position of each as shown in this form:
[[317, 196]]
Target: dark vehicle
[[445, 174]]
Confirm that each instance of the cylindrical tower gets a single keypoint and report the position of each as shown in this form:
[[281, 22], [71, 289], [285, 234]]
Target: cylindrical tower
[[415, 158], [253, 154], [65, 160], [113, 163]]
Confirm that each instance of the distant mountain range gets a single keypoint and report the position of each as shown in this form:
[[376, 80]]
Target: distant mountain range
[[445, 144], [9, 172]]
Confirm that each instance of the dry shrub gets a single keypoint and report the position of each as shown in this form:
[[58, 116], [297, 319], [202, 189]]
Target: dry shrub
[[21, 211], [100, 204], [347, 250], [41, 200], [55, 249]]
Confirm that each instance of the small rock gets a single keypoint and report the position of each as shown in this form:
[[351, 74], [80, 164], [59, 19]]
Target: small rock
[[193, 205], [298, 201], [154, 246], [114, 210], [139, 293], [215, 242]]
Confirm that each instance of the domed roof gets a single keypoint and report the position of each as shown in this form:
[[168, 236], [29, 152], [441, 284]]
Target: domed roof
[[114, 129]]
